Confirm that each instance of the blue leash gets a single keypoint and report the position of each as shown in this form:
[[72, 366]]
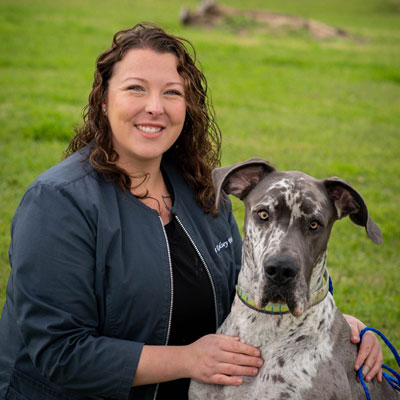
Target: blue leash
[[394, 380], [330, 285]]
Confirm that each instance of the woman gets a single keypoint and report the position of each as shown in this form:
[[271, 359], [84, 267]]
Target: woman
[[112, 250]]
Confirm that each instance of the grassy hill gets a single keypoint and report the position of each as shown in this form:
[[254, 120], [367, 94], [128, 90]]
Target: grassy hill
[[326, 107]]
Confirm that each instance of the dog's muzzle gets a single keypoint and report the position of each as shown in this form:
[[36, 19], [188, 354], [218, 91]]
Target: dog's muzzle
[[281, 273]]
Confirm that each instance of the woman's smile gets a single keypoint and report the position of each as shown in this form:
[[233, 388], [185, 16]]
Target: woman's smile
[[149, 129]]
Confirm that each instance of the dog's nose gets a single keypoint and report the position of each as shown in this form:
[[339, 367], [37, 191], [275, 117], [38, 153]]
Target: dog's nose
[[281, 269]]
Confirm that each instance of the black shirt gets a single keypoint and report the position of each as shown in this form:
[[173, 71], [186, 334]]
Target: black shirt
[[193, 313]]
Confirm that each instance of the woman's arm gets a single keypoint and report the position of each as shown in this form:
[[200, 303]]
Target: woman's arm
[[53, 292], [217, 359]]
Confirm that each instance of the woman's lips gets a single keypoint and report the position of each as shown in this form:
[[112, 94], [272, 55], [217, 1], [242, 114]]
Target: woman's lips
[[149, 128]]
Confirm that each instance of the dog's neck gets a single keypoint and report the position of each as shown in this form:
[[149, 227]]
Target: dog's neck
[[318, 271], [284, 328]]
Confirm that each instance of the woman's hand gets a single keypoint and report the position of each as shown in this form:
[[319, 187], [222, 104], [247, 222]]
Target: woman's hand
[[370, 352], [221, 359], [218, 359]]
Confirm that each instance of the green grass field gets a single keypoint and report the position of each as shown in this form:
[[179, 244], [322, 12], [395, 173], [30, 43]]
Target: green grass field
[[327, 108]]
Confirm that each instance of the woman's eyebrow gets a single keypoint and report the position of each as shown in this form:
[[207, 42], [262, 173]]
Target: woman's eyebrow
[[133, 77], [174, 83], [146, 81]]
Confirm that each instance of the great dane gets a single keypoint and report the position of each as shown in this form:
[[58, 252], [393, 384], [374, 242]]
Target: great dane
[[283, 305]]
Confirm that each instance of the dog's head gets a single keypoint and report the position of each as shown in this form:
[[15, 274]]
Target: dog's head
[[288, 220]]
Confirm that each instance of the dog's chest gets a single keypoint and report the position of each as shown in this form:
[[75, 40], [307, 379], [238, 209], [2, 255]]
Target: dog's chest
[[292, 349]]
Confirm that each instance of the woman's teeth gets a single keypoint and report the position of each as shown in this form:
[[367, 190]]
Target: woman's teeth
[[149, 129]]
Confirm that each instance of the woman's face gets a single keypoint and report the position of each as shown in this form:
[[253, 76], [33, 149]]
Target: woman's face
[[145, 107]]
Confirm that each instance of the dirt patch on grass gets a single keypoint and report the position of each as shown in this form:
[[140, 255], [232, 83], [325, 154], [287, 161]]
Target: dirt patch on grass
[[211, 14]]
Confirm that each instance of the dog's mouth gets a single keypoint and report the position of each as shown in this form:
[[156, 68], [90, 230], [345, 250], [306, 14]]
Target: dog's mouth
[[276, 294], [277, 299], [283, 295]]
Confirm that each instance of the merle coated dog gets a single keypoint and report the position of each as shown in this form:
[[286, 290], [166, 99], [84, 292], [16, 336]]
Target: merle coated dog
[[283, 305]]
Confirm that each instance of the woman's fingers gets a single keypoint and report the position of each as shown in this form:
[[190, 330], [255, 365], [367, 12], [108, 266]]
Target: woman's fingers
[[370, 356], [235, 346], [237, 370], [232, 374], [241, 359], [221, 379]]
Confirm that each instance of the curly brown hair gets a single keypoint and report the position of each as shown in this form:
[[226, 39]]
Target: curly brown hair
[[197, 149]]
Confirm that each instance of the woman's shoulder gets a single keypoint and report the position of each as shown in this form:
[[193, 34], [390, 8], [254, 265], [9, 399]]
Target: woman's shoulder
[[72, 170], [70, 188], [71, 182]]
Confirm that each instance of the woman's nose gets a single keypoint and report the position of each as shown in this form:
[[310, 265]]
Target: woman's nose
[[154, 105]]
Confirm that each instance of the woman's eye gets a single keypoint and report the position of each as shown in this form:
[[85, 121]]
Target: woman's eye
[[263, 215], [173, 92], [314, 225], [136, 88]]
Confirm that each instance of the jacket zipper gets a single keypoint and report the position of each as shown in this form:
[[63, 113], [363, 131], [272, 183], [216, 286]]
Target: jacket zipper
[[205, 267], [172, 282], [172, 294]]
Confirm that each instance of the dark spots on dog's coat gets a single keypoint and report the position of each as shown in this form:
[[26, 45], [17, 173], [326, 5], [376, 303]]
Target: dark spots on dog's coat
[[300, 338], [278, 378], [291, 388], [281, 362], [304, 371], [285, 395]]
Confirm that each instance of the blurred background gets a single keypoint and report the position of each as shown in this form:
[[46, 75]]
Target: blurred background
[[301, 94]]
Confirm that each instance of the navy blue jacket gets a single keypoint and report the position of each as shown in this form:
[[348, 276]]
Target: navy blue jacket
[[90, 283]]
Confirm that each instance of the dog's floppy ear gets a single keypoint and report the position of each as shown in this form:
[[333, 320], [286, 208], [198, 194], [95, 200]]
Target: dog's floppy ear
[[238, 179], [348, 201]]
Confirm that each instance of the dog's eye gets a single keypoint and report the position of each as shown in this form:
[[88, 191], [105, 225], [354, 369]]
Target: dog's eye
[[263, 215], [314, 225]]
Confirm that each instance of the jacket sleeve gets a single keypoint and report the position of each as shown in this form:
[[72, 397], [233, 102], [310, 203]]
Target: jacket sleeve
[[52, 256]]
